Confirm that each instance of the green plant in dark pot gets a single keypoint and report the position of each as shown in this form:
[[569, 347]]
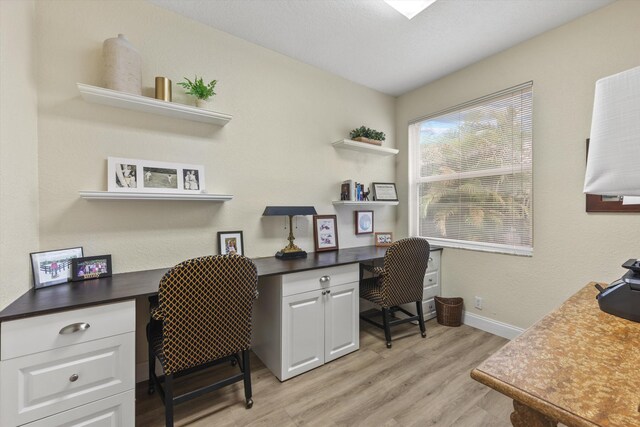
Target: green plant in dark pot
[[364, 133], [199, 89]]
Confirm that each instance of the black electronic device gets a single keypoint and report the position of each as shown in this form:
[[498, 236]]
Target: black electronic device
[[622, 297]]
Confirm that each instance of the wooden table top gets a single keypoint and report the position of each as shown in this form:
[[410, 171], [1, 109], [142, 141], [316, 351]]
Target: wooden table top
[[578, 365], [135, 284]]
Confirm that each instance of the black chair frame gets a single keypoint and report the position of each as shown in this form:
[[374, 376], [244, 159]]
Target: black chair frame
[[166, 393], [388, 314]]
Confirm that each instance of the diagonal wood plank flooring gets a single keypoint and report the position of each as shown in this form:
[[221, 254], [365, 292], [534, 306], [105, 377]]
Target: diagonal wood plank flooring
[[418, 382]]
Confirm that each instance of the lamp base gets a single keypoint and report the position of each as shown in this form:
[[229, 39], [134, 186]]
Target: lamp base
[[291, 255]]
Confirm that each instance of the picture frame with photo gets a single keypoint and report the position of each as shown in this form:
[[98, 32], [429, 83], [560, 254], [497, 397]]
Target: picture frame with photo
[[148, 176], [53, 267], [325, 232], [90, 267], [364, 222], [384, 192], [230, 242], [384, 239]]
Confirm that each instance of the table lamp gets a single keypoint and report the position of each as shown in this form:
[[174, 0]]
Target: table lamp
[[613, 164], [290, 251], [613, 169]]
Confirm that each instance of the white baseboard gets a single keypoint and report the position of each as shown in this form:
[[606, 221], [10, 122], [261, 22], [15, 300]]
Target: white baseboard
[[494, 327]]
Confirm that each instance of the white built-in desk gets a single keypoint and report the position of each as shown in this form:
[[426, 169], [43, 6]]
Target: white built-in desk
[[67, 351]]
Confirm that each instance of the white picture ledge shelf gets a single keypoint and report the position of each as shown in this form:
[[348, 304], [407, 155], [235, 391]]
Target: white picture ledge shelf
[[113, 195], [348, 144], [113, 98], [365, 203]]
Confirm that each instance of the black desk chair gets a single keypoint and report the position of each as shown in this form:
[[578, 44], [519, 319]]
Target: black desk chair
[[203, 318], [399, 281]]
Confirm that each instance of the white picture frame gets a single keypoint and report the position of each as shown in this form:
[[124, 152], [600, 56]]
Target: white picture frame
[[149, 176]]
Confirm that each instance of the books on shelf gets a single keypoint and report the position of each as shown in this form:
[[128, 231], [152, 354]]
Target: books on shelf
[[351, 190]]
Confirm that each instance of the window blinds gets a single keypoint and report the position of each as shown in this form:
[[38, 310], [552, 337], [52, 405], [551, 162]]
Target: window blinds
[[472, 173]]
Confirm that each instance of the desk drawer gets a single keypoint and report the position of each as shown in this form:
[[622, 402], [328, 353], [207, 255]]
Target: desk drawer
[[114, 411], [45, 383], [306, 281], [42, 333], [434, 261]]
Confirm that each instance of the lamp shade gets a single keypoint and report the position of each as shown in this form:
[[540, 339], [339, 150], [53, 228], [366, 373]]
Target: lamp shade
[[613, 165], [289, 210]]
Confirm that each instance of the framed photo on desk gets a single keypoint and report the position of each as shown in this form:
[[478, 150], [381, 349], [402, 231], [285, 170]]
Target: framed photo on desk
[[53, 267], [325, 232]]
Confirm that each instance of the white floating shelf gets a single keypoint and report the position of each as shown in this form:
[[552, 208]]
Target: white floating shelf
[[113, 98], [352, 203], [113, 195], [348, 144]]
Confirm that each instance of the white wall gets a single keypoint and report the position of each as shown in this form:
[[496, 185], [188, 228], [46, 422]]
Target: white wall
[[571, 247], [18, 147]]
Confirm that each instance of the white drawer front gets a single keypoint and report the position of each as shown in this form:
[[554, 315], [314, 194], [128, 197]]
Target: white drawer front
[[114, 411], [45, 383], [306, 281], [434, 261], [430, 279], [42, 333]]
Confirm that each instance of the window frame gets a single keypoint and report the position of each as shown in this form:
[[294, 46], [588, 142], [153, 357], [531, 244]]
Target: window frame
[[414, 180]]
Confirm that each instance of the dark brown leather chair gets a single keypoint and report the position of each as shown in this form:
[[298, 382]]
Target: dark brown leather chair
[[399, 281], [202, 318]]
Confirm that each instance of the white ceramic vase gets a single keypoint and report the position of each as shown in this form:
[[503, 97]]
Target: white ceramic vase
[[122, 66]]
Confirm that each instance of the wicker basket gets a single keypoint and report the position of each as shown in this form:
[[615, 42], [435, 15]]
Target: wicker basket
[[449, 311]]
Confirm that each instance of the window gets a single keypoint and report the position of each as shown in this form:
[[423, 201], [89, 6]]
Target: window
[[470, 174]]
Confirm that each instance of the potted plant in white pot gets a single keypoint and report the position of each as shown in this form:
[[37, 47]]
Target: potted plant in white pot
[[200, 90], [370, 136]]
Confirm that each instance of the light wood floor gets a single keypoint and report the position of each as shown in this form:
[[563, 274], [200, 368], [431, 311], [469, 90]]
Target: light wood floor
[[418, 382]]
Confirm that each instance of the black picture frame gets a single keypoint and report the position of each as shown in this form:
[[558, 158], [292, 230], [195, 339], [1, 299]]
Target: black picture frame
[[384, 191], [49, 264], [225, 242], [99, 266]]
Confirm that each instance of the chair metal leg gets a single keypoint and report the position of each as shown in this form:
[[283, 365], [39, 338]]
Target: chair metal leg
[[152, 363], [246, 369], [387, 327], [168, 400], [423, 330]]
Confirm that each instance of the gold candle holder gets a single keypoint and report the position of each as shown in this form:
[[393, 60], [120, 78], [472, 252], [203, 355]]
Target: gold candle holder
[[163, 88]]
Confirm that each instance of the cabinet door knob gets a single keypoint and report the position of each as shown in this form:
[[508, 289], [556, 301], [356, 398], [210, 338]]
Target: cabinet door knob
[[73, 378], [431, 280], [328, 291], [324, 292], [430, 259], [74, 327], [325, 279]]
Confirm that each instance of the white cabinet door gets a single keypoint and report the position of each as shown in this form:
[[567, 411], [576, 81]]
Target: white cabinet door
[[302, 333], [342, 333]]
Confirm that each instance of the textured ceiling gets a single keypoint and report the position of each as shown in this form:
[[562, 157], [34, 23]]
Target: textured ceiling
[[368, 42]]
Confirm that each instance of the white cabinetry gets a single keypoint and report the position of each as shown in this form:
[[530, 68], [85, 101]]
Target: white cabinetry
[[303, 320], [52, 367], [431, 287]]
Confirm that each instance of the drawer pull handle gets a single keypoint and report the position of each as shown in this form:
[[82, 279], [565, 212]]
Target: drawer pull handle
[[73, 378], [325, 279], [74, 327], [431, 280]]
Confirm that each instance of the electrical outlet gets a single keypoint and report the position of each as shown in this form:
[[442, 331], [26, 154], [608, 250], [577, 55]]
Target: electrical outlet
[[478, 303]]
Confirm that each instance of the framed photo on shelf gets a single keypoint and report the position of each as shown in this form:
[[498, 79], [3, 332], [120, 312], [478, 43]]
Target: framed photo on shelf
[[90, 267], [384, 239], [230, 242], [53, 267], [146, 176], [364, 222], [384, 192], [325, 232]]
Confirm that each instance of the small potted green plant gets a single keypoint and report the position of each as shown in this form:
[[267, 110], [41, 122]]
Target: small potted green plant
[[199, 89], [365, 134]]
